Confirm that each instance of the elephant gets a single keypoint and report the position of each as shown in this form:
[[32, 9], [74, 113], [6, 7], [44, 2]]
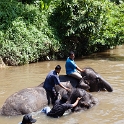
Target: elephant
[[25, 101], [92, 80], [86, 102], [33, 99]]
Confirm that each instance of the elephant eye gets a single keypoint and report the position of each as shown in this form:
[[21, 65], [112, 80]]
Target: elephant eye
[[82, 98]]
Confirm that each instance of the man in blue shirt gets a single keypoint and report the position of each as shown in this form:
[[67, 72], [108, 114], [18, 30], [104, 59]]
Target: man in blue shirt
[[73, 70], [51, 80], [71, 67]]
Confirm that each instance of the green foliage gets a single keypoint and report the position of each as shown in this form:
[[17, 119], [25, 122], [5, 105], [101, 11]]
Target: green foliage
[[29, 34], [117, 1], [113, 31], [86, 26], [77, 21], [24, 34], [45, 4], [26, 1]]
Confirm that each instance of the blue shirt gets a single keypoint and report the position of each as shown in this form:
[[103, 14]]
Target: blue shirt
[[70, 66], [51, 79]]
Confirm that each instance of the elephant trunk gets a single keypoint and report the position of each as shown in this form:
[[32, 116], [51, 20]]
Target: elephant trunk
[[84, 105], [104, 84]]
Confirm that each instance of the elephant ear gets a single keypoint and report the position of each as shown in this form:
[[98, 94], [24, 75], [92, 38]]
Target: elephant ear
[[77, 92]]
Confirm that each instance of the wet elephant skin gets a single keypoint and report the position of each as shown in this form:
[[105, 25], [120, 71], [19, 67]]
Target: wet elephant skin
[[25, 101], [86, 102], [33, 99], [91, 78], [95, 81]]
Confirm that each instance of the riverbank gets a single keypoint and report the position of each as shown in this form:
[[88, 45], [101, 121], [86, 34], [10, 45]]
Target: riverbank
[[2, 64]]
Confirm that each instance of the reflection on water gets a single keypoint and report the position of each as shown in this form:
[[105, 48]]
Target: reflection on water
[[110, 109]]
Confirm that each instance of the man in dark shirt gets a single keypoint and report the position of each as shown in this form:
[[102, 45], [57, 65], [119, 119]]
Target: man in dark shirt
[[51, 80], [60, 107], [27, 119]]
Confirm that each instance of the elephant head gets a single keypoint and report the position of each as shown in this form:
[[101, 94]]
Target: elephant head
[[87, 101], [95, 81]]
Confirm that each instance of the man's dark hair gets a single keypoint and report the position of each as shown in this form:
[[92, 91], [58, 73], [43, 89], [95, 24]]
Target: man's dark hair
[[28, 119], [64, 98], [58, 67], [70, 53]]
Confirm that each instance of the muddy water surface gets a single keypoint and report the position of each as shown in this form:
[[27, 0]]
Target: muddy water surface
[[110, 109]]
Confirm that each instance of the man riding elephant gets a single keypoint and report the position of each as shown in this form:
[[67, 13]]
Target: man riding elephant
[[72, 69]]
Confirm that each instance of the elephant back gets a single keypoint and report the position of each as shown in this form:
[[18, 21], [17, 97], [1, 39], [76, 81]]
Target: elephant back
[[66, 84], [64, 78], [25, 101]]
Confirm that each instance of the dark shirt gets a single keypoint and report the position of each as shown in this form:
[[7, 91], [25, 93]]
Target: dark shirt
[[51, 79], [59, 109]]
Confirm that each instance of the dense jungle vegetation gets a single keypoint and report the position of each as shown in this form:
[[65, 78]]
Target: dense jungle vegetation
[[32, 30]]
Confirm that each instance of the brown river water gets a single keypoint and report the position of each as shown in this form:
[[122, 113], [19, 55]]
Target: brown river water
[[110, 107]]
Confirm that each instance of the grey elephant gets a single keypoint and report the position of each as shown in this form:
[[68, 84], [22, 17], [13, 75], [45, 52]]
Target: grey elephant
[[25, 101], [34, 99], [87, 101], [91, 81]]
